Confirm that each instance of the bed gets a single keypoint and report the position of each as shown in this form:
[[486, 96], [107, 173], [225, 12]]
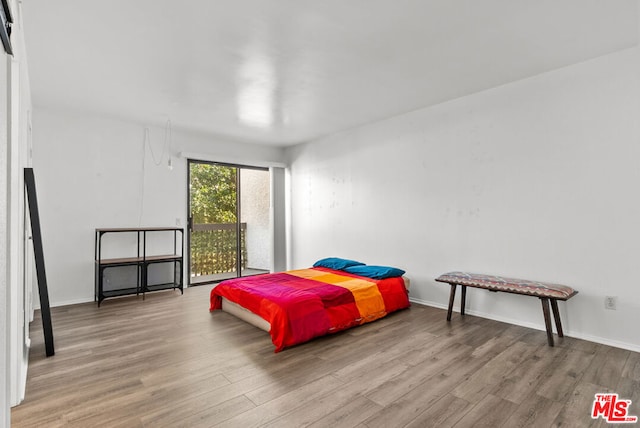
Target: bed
[[298, 305]]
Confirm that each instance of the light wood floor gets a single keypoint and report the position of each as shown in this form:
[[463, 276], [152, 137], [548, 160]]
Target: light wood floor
[[167, 362]]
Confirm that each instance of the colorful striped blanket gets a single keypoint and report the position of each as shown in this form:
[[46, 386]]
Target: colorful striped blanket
[[307, 303]]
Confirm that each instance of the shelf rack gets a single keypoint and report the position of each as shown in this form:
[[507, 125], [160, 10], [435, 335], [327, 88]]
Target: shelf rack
[[142, 261]]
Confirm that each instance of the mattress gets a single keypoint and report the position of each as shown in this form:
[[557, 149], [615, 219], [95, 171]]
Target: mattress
[[236, 308], [245, 315]]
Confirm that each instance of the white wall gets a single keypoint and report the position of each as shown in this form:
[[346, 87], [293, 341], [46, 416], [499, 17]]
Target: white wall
[[537, 179], [279, 201], [255, 211], [15, 268], [93, 172], [5, 309]]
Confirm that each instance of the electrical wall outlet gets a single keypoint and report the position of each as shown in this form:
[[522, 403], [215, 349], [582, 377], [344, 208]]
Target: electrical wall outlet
[[611, 302]]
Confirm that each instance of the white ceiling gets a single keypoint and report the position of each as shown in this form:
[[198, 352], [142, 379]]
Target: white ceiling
[[286, 71]]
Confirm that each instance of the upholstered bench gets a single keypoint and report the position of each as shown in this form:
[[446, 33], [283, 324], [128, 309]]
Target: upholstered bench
[[545, 291]]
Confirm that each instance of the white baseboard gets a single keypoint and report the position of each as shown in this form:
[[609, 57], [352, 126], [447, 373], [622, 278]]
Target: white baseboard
[[66, 303], [575, 335]]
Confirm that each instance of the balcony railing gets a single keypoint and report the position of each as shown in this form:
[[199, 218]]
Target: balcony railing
[[214, 248]]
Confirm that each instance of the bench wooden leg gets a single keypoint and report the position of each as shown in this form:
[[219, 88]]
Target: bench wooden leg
[[547, 319], [452, 296], [556, 316], [463, 299]]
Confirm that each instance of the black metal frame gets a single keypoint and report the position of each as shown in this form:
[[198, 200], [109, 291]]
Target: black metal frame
[[238, 211], [34, 215], [5, 26], [142, 261]]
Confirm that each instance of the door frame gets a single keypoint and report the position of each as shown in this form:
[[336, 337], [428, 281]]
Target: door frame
[[238, 167]]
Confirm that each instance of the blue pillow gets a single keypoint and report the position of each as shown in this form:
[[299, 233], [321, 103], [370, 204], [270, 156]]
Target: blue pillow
[[375, 272], [336, 263]]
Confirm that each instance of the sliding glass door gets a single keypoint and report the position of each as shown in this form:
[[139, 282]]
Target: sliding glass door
[[229, 222]]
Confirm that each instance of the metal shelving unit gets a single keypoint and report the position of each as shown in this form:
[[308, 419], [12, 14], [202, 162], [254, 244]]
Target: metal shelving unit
[[142, 261]]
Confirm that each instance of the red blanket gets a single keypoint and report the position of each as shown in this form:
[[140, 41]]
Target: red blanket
[[307, 303]]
